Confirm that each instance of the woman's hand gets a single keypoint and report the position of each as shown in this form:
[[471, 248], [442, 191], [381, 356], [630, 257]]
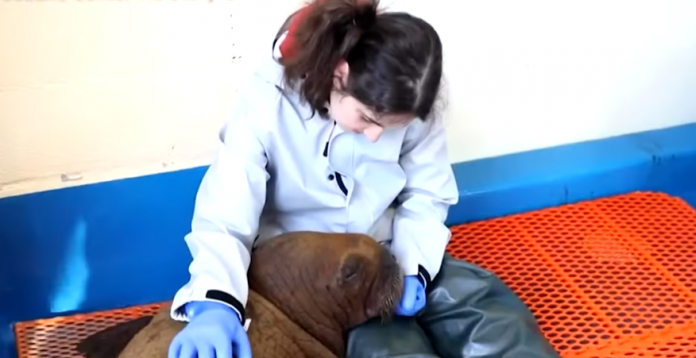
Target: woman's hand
[[413, 297], [214, 330]]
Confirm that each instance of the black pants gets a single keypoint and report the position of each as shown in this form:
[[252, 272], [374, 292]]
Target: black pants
[[469, 313]]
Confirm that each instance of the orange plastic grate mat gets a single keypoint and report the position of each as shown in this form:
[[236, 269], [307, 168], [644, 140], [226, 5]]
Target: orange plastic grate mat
[[612, 277]]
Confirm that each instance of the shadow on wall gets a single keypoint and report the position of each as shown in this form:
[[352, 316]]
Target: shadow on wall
[[93, 247]]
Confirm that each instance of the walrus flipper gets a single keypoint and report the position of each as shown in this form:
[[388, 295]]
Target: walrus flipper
[[110, 342]]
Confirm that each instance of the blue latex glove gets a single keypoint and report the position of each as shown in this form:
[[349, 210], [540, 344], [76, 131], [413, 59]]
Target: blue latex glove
[[413, 297], [213, 331]]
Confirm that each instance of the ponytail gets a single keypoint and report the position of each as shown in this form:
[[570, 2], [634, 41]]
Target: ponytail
[[320, 36]]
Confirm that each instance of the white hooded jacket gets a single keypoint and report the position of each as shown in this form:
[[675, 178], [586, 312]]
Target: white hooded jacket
[[280, 169]]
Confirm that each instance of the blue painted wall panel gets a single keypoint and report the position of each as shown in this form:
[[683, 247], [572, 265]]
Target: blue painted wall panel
[[120, 243], [662, 160]]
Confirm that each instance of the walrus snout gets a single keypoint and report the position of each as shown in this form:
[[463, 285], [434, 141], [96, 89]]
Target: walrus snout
[[387, 288]]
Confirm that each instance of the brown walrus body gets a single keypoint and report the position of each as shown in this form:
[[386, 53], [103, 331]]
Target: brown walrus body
[[307, 289]]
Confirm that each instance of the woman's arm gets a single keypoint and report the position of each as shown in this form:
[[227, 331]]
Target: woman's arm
[[227, 212], [420, 236]]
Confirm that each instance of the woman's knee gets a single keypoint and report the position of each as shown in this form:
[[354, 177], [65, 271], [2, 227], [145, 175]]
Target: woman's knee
[[470, 312], [462, 283]]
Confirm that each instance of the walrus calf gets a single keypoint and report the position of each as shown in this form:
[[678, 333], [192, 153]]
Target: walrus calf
[[306, 290]]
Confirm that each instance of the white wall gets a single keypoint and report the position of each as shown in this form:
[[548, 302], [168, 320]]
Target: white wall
[[99, 90]]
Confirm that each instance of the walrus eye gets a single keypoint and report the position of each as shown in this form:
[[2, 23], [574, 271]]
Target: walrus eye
[[350, 267]]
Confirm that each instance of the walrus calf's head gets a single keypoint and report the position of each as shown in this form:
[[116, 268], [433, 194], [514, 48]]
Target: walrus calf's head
[[327, 281]]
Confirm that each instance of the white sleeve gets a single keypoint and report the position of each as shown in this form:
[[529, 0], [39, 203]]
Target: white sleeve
[[420, 236], [226, 217]]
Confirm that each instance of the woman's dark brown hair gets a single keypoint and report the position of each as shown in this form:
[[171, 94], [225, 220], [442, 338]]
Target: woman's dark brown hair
[[394, 58]]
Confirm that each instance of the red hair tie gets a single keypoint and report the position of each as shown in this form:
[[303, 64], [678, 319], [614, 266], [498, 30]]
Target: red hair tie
[[288, 48]]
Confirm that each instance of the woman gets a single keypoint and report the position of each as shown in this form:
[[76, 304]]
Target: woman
[[337, 132]]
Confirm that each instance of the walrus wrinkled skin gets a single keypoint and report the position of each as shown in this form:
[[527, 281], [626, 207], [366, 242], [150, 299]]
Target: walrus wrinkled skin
[[306, 291]]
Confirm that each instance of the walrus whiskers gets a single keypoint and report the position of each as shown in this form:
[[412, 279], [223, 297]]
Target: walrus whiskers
[[387, 312]]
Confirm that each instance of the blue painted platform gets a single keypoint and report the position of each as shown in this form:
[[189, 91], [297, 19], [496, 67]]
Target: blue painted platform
[[91, 247]]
